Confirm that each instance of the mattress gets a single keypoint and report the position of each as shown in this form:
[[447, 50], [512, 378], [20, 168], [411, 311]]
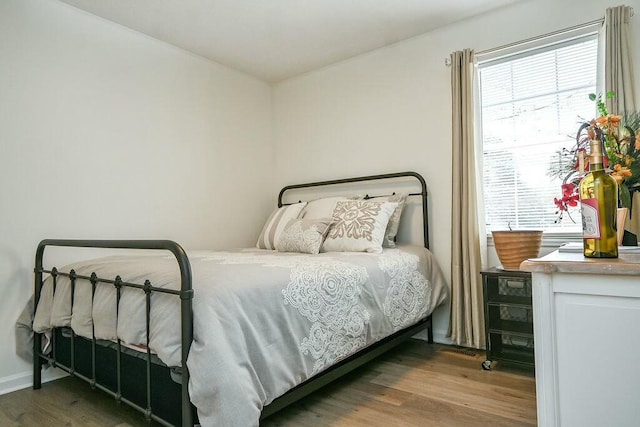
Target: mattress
[[264, 321]]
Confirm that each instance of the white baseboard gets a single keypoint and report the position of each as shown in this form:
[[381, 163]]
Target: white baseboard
[[25, 379]]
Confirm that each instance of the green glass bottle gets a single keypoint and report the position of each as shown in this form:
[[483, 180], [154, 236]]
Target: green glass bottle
[[599, 207]]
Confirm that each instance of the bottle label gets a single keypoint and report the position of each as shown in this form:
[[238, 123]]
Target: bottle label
[[590, 221]]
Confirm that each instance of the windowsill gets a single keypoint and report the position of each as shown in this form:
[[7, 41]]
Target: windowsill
[[550, 240]]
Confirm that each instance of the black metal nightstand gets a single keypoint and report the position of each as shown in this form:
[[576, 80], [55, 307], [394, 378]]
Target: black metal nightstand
[[508, 315]]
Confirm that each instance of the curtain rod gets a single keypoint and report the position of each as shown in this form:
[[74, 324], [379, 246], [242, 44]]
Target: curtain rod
[[544, 36], [447, 61]]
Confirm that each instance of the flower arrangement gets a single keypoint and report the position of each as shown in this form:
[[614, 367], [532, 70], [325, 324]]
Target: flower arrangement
[[620, 136]]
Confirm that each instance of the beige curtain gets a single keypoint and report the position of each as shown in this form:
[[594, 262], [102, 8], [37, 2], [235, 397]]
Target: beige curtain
[[619, 78], [466, 326], [618, 63]]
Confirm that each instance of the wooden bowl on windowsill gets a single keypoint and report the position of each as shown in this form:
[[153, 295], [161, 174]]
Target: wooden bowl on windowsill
[[515, 246]]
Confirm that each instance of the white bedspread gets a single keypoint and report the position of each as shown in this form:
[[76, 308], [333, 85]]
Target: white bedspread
[[264, 321]]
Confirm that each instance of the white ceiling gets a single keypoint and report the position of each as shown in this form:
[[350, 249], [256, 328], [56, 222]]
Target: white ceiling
[[277, 39]]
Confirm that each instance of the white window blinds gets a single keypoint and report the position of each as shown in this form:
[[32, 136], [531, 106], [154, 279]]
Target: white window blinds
[[532, 104]]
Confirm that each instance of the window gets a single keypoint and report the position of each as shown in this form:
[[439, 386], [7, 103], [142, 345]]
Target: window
[[532, 103]]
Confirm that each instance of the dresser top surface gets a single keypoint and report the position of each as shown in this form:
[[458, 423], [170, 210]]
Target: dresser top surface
[[627, 264]]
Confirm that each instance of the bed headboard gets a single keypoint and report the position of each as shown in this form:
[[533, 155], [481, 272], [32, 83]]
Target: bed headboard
[[386, 190]]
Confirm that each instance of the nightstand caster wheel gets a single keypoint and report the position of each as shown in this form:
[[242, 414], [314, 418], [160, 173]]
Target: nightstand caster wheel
[[486, 365]]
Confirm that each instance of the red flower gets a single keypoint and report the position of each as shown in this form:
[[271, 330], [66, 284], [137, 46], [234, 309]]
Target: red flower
[[570, 197], [573, 200], [568, 190]]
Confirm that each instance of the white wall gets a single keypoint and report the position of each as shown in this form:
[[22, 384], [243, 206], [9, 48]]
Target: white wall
[[390, 110], [106, 133]]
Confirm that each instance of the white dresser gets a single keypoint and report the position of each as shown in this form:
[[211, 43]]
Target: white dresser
[[587, 339]]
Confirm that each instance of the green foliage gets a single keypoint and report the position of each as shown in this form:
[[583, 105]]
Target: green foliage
[[624, 195]]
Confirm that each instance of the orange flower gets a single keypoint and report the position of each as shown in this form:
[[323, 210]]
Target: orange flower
[[608, 121], [620, 173], [622, 170], [638, 141]]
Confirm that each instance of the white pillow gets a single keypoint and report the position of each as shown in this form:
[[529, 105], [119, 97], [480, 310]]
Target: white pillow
[[276, 223], [303, 235], [358, 226], [394, 222]]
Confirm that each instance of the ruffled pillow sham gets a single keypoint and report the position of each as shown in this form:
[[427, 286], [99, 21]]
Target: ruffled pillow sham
[[303, 235]]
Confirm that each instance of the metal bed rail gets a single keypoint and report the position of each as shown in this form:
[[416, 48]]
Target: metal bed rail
[[186, 313]]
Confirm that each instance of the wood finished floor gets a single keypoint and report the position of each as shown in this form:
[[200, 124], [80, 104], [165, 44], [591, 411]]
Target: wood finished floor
[[417, 384]]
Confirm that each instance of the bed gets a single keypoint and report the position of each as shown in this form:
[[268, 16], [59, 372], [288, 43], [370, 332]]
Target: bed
[[230, 337]]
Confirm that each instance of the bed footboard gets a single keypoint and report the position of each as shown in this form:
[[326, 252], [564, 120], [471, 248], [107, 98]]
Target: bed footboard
[[186, 309]]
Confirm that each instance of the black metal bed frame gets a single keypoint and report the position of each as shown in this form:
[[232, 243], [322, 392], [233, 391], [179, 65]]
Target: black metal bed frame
[[186, 317], [186, 296]]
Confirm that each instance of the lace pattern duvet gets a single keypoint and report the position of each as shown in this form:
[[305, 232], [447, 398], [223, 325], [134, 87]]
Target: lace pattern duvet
[[264, 321]]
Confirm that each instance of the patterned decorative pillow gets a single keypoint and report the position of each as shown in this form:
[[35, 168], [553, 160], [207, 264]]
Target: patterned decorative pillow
[[394, 222], [358, 226], [323, 208], [276, 223], [303, 235]]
